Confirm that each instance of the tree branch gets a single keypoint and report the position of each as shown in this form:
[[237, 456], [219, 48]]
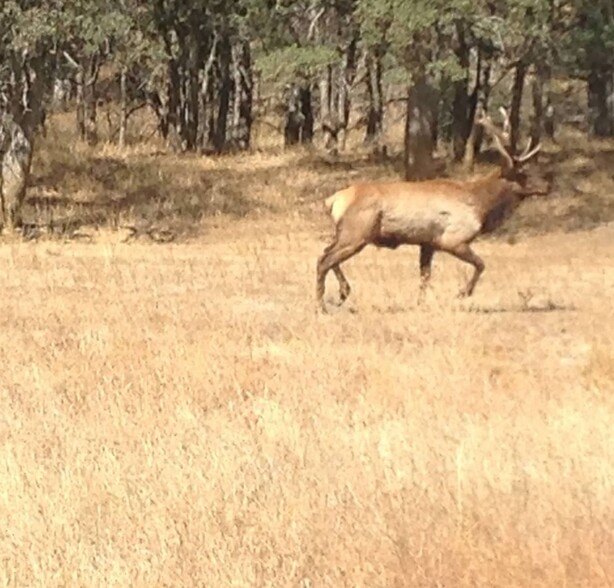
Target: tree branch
[[314, 22], [71, 59]]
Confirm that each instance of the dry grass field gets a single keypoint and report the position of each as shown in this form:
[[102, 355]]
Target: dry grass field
[[179, 415]]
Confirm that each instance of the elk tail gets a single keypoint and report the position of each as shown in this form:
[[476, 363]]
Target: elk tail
[[338, 203]]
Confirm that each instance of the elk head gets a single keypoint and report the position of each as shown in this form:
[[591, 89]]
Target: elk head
[[513, 166]]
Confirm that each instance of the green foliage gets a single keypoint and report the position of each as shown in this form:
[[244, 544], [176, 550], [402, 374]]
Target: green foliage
[[447, 66], [590, 41], [288, 63], [293, 39], [28, 26], [375, 18]]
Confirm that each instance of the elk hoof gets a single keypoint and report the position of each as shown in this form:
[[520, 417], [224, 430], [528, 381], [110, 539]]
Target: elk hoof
[[343, 296], [321, 308], [340, 302]]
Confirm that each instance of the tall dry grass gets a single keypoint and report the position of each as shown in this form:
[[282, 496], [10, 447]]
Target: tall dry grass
[[179, 416]]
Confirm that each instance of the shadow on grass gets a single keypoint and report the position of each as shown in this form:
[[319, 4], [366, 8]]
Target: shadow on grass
[[550, 307], [145, 190], [68, 190], [485, 310]]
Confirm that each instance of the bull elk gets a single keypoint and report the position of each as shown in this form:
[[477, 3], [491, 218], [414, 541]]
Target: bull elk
[[437, 215]]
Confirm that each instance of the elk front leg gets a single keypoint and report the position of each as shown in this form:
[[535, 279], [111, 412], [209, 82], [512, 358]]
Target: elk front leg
[[426, 261], [466, 254]]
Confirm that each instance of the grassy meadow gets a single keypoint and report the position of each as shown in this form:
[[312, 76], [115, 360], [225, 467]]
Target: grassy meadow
[[179, 415]]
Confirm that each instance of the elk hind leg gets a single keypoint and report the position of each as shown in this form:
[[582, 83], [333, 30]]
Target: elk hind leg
[[333, 255], [344, 285]]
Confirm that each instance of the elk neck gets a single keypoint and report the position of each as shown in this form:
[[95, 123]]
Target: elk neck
[[494, 198]]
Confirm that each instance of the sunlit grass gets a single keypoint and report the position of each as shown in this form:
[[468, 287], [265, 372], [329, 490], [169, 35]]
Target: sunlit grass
[[180, 416]]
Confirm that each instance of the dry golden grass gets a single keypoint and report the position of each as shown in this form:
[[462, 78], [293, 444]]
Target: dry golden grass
[[179, 415]]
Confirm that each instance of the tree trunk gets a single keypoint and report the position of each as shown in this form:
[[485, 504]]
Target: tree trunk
[[307, 114], [470, 148], [375, 109], [87, 78], [474, 98], [435, 105], [479, 100], [160, 109], [327, 120], [346, 77], [516, 106], [213, 108], [224, 91], [33, 113], [486, 89], [549, 119], [600, 93], [418, 141], [299, 115], [461, 124], [243, 95], [18, 126], [190, 120], [538, 91], [207, 100], [80, 108], [123, 109], [61, 94], [91, 98], [292, 128], [172, 106], [16, 155]]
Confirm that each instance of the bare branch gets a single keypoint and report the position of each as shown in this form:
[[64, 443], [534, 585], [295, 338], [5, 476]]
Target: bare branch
[[136, 108], [314, 22], [71, 60]]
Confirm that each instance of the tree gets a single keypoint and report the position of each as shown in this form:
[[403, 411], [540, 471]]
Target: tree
[[28, 31], [589, 53], [375, 19], [413, 37]]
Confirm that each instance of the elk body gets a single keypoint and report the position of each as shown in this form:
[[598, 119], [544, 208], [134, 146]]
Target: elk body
[[436, 215]]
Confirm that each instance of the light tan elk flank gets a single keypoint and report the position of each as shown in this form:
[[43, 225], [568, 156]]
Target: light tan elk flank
[[438, 215]]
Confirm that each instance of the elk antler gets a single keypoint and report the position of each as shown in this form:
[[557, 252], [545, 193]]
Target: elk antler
[[507, 125], [528, 153], [499, 138]]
